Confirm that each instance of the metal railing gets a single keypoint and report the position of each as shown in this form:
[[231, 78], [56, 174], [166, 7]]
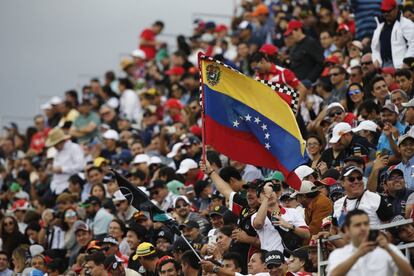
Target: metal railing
[[403, 247]]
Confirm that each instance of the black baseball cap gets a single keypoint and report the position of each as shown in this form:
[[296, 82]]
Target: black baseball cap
[[274, 257], [301, 253], [218, 210], [189, 224], [179, 245], [252, 184], [92, 200]]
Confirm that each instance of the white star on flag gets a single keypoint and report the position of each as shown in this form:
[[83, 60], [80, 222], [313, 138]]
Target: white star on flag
[[264, 126], [257, 120], [248, 117], [267, 135], [267, 145], [236, 123]]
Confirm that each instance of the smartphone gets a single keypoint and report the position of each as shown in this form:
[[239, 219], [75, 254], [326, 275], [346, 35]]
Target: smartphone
[[373, 235]]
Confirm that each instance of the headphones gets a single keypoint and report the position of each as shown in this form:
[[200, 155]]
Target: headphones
[[275, 186]]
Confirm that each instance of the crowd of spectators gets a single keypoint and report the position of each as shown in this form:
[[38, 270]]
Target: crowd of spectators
[[352, 62]]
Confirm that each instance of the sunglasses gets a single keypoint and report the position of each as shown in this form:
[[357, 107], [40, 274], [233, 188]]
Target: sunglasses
[[271, 266], [334, 74], [354, 92], [155, 192], [333, 114], [181, 206], [366, 63], [397, 177], [352, 179]]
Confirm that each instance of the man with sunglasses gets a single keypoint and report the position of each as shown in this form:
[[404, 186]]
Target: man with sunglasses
[[337, 76], [110, 246], [393, 39], [182, 209], [345, 143], [336, 112], [377, 208]]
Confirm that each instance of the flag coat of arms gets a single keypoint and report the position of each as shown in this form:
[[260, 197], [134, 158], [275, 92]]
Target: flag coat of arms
[[248, 121]]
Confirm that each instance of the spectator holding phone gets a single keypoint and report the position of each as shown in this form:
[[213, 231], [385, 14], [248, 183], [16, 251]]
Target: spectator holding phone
[[272, 220], [361, 255]]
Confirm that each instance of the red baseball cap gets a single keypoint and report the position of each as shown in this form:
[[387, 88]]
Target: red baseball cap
[[269, 49], [196, 130], [293, 25], [388, 5], [393, 86], [173, 103], [176, 70], [341, 27], [388, 70], [328, 181], [221, 28], [332, 59]]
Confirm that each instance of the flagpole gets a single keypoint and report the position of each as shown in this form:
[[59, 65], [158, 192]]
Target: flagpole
[[130, 192], [203, 118]]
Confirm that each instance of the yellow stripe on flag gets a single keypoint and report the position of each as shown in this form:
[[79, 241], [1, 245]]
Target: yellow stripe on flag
[[256, 95]]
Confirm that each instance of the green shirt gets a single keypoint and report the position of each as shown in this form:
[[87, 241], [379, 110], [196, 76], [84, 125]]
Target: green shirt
[[83, 121]]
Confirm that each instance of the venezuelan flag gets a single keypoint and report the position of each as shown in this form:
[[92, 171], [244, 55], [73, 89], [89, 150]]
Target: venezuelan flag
[[248, 121]]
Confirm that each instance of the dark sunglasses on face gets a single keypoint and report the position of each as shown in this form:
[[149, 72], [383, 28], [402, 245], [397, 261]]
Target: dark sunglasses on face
[[181, 206], [366, 63], [334, 75], [354, 92], [333, 114], [271, 266], [156, 192], [352, 179]]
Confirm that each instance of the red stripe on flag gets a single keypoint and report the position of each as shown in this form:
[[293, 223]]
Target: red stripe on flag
[[244, 147]]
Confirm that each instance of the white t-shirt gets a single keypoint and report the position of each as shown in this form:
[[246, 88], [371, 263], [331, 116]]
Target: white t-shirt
[[369, 203], [269, 237], [378, 262]]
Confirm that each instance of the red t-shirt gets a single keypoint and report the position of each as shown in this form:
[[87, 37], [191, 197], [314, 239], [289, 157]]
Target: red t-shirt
[[280, 75], [150, 51], [38, 140]]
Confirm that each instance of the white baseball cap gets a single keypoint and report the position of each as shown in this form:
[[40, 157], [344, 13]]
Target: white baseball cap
[[404, 137], [46, 106], [186, 165], [303, 171], [338, 131], [366, 125], [141, 158], [111, 134], [332, 105], [118, 196], [138, 53], [155, 160], [306, 188], [175, 150], [56, 100]]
